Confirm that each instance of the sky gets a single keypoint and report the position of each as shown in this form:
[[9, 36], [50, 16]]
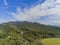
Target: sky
[[41, 11]]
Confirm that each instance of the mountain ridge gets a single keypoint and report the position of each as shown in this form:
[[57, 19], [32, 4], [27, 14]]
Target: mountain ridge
[[26, 32]]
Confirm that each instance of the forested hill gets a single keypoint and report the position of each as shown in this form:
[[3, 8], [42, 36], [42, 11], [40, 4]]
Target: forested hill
[[33, 27], [16, 32]]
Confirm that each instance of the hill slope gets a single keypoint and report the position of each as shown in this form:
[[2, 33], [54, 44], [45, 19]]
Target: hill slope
[[26, 33]]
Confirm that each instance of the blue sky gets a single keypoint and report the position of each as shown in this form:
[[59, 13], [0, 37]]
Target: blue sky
[[41, 11]]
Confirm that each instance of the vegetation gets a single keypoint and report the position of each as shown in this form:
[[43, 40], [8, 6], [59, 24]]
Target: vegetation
[[26, 33], [51, 41]]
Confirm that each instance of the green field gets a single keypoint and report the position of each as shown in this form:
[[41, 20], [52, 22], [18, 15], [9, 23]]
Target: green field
[[51, 41]]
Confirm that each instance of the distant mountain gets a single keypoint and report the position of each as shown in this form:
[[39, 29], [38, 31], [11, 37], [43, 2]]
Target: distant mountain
[[26, 33]]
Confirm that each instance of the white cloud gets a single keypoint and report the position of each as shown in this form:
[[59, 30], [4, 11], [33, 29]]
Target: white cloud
[[5, 2], [49, 7]]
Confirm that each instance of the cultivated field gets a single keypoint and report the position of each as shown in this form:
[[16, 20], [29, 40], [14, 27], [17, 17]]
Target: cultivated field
[[51, 41]]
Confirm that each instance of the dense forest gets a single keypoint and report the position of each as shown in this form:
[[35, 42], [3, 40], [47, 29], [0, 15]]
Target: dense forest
[[26, 33]]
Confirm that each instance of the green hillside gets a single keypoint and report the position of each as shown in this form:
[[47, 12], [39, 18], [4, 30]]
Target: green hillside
[[26, 33]]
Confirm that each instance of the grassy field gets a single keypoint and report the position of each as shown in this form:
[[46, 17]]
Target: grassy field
[[51, 41]]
